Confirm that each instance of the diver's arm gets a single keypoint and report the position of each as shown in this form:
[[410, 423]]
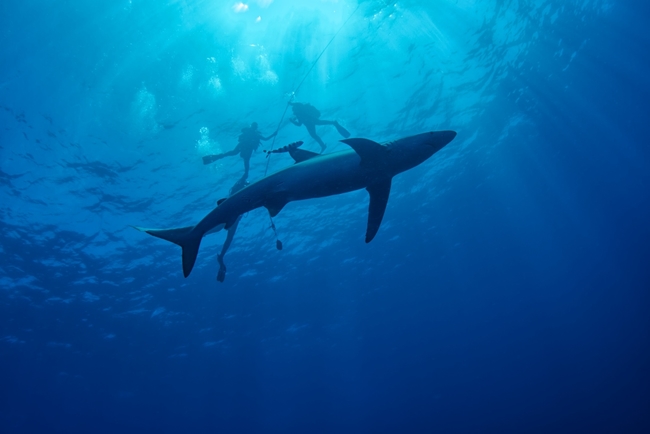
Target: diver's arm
[[235, 151], [294, 120], [270, 137]]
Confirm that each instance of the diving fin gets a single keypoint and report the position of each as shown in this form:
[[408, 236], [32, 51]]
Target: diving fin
[[342, 131], [207, 159]]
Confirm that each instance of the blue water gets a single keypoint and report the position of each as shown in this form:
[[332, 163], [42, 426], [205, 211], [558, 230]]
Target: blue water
[[507, 290]]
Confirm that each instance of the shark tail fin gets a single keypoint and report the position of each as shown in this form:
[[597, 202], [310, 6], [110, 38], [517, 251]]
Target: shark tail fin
[[188, 240]]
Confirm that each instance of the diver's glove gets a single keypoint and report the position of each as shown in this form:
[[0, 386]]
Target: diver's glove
[[221, 275]]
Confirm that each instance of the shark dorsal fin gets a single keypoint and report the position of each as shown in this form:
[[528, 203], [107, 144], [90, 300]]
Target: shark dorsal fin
[[300, 155], [367, 149], [379, 192], [220, 201]]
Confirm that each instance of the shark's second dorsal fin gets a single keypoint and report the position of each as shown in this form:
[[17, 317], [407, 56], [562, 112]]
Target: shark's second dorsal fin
[[367, 149], [220, 201], [379, 192], [300, 155]]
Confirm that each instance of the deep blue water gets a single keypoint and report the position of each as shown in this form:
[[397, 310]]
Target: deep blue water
[[507, 290]]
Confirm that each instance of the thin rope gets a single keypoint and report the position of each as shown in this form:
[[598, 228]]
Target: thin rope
[[278, 243], [325, 49], [293, 94], [268, 155]]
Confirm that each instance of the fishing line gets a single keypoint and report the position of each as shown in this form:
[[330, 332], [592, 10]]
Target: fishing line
[[293, 94], [278, 243]]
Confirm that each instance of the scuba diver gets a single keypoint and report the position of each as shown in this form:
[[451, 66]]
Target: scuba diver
[[249, 141], [221, 274], [308, 115]]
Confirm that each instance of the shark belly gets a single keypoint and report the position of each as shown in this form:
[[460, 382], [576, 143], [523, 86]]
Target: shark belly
[[325, 176]]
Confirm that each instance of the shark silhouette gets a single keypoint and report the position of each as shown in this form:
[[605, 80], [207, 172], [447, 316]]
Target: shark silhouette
[[368, 165]]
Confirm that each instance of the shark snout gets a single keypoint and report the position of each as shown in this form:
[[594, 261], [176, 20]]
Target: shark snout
[[438, 139]]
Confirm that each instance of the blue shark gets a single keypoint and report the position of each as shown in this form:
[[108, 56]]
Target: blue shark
[[367, 164]]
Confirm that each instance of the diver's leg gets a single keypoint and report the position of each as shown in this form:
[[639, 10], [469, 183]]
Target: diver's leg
[[212, 158], [311, 129], [247, 165], [221, 275], [324, 122]]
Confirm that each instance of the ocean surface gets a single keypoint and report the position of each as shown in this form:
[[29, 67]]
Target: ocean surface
[[508, 288]]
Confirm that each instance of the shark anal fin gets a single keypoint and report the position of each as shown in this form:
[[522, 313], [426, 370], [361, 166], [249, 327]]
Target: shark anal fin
[[368, 150], [379, 192], [300, 155]]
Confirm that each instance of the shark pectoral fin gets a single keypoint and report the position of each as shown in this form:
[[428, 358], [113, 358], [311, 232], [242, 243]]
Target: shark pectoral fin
[[368, 150], [274, 208], [300, 155], [379, 193]]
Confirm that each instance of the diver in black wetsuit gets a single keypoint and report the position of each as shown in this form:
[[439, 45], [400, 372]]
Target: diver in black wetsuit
[[249, 141], [221, 275], [308, 115]]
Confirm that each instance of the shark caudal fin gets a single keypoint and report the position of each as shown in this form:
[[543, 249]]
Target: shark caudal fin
[[183, 237]]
